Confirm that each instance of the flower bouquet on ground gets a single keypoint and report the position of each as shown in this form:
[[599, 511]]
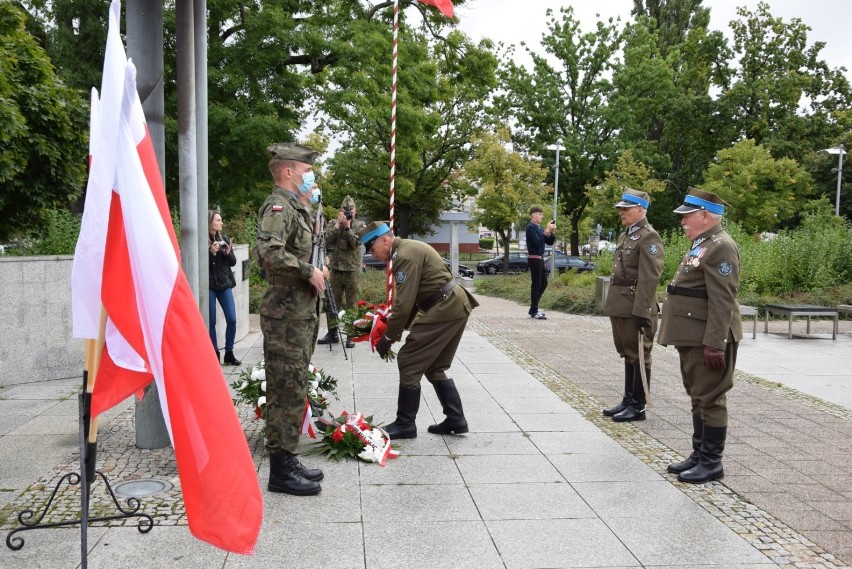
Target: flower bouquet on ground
[[250, 389], [366, 323], [354, 436]]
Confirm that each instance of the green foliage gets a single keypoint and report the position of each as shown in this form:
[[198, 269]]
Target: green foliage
[[628, 173], [43, 145], [441, 94], [57, 236], [505, 183], [486, 243], [565, 96], [782, 94], [764, 193]]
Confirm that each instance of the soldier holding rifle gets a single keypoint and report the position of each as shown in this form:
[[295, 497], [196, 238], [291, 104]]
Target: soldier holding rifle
[[344, 260], [289, 311]]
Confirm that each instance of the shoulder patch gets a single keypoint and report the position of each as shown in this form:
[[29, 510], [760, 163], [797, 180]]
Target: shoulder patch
[[653, 249], [725, 268], [278, 208], [400, 276]]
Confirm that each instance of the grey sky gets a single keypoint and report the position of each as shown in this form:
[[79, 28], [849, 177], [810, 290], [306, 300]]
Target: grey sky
[[513, 21]]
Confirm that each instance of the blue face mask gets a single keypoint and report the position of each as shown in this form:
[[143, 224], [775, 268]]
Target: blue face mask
[[308, 180], [315, 195]]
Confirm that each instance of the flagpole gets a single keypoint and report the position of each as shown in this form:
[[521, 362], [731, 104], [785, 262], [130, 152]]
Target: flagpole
[[395, 73], [89, 433]]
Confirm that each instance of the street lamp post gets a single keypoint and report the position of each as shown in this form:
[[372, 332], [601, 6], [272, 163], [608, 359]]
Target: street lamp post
[[840, 151], [557, 147]]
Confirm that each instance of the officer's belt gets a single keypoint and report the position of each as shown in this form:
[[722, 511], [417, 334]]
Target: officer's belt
[[282, 280], [622, 282], [439, 295], [683, 291]]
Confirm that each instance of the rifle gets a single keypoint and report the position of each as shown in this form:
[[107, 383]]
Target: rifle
[[318, 261]]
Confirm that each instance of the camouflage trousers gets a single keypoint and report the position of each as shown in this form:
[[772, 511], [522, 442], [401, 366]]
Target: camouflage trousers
[[344, 285], [288, 346]]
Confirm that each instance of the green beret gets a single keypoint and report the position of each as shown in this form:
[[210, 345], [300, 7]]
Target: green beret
[[293, 151]]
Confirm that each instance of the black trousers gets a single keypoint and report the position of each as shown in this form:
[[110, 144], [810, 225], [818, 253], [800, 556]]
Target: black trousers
[[539, 283]]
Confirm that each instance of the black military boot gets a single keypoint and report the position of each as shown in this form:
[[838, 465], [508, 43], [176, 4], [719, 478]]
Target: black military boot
[[349, 343], [635, 410], [692, 459], [286, 475], [455, 423], [407, 406], [331, 338], [628, 391], [230, 359], [709, 465]]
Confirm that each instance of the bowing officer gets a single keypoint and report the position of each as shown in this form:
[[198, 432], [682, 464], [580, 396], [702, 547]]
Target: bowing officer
[[423, 285], [701, 318], [631, 303]]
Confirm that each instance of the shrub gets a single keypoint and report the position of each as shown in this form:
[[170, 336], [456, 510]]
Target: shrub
[[61, 228], [486, 243]]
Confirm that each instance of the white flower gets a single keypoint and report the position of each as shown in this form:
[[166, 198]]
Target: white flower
[[312, 393], [367, 454], [261, 401], [258, 374], [311, 368], [318, 377], [263, 386], [341, 314]]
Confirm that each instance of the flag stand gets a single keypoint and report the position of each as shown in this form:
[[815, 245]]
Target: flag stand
[[85, 478]]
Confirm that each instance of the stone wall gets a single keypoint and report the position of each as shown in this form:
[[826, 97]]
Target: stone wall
[[35, 318]]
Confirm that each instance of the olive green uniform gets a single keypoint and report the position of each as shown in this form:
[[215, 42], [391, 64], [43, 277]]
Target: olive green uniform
[[707, 316], [636, 269], [289, 314], [344, 261], [419, 273]]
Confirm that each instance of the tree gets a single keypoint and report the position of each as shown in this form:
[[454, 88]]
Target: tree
[[764, 193], [43, 145], [668, 117], [505, 183], [568, 101], [442, 91], [783, 95], [627, 173]]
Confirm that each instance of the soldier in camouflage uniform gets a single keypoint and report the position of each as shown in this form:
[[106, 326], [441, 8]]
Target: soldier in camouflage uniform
[[289, 311], [631, 302], [423, 286], [344, 260], [701, 318]]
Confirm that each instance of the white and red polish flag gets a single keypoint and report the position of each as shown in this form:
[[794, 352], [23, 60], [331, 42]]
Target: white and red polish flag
[[123, 370], [148, 299]]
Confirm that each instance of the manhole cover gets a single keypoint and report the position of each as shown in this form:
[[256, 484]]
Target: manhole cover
[[141, 488]]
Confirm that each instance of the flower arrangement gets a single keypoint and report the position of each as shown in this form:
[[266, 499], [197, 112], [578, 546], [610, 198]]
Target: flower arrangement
[[366, 323], [250, 389], [354, 436]]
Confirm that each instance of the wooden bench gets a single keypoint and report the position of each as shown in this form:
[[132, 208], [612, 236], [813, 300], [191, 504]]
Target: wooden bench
[[806, 310], [750, 311]]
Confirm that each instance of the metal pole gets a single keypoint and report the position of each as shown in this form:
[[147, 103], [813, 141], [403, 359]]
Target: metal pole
[[199, 14], [145, 47], [839, 178], [555, 201], [187, 148]]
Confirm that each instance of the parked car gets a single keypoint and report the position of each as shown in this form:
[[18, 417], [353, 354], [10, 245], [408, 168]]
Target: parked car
[[370, 262], [569, 262], [603, 245], [517, 263]]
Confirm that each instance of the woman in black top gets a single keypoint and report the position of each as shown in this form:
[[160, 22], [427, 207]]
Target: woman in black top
[[221, 259]]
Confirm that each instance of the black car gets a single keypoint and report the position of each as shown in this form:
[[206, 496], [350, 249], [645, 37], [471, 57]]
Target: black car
[[517, 263], [568, 262], [370, 262]]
